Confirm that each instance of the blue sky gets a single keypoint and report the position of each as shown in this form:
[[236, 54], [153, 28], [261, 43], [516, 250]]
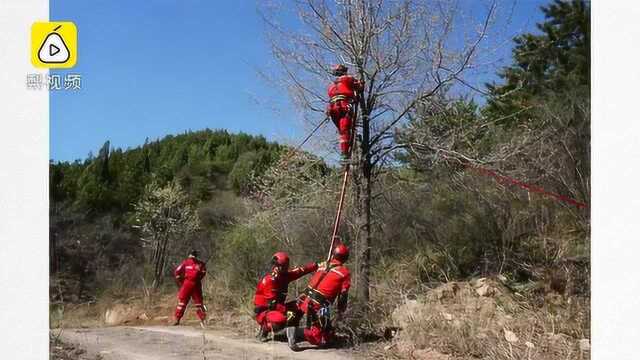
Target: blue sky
[[158, 67]]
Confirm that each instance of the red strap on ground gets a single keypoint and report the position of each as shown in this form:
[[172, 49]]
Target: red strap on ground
[[507, 180]]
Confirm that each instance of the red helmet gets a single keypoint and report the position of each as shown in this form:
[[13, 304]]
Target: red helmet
[[280, 259], [341, 253], [339, 69]]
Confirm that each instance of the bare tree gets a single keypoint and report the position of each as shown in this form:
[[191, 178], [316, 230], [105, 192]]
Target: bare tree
[[162, 215], [406, 51]]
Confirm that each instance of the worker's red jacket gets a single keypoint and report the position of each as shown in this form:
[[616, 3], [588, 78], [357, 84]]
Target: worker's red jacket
[[344, 86], [274, 286], [331, 282], [191, 269]]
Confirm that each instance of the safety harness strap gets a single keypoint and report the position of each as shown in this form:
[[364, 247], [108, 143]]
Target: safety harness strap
[[336, 98], [324, 273], [317, 297]]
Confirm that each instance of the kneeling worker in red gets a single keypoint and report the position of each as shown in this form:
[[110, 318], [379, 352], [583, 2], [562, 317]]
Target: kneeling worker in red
[[189, 276], [271, 294], [329, 283]]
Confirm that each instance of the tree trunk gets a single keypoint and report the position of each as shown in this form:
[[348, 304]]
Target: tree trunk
[[362, 194], [363, 235], [53, 254], [160, 265]]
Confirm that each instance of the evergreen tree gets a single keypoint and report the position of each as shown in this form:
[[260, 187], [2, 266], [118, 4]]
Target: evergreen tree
[[555, 61]]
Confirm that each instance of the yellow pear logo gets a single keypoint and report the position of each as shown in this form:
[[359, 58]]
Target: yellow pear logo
[[53, 49], [54, 44]]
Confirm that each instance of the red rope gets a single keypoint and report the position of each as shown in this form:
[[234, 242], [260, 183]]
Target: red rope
[[502, 179], [336, 224]]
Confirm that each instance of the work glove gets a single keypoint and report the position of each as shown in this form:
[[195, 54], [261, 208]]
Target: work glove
[[321, 264]]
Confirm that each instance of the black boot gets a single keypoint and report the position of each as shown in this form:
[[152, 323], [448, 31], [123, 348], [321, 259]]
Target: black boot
[[263, 335], [279, 334], [294, 334]]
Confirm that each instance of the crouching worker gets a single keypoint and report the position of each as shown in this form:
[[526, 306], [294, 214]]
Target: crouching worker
[[189, 276], [271, 310], [330, 282]]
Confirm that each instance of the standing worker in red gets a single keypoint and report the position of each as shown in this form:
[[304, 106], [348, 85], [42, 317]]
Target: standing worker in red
[[189, 276], [271, 293], [328, 283], [343, 92]]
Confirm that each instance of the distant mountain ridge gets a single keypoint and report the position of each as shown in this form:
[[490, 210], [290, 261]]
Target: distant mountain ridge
[[200, 160]]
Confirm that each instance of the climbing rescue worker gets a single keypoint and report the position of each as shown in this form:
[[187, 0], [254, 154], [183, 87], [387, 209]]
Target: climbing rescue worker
[[189, 276], [270, 308], [330, 282], [343, 93]]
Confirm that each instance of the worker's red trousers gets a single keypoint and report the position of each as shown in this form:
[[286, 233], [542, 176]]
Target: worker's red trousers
[[190, 290], [272, 320], [341, 115], [276, 319], [315, 334]]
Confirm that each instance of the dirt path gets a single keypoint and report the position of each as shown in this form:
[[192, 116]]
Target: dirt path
[[184, 343]]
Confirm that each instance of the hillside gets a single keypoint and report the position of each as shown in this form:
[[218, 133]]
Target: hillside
[[91, 201]]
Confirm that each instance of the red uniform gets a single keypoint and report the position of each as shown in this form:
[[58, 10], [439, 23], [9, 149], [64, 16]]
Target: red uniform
[[271, 293], [189, 275], [342, 93], [325, 286]]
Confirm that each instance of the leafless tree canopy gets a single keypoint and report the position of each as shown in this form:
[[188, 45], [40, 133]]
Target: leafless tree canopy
[[406, 51]]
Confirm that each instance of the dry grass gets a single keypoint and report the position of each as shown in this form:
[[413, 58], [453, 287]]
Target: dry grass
[[63, 351], [482, 319]]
